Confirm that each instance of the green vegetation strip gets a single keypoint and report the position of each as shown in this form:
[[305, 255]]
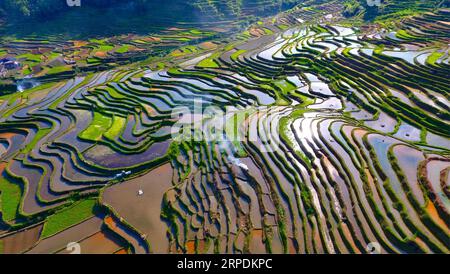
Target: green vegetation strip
[[10, 196], [99, 125], [68, 217]]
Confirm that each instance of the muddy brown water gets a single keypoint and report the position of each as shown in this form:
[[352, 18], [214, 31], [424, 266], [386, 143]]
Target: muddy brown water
[[120, 229], [22, 241], [143, 211], [99, 243], [73, 234]]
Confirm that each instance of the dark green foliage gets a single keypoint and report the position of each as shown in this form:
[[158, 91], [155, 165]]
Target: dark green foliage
[[30, 8], [370, 10], [352, 8]]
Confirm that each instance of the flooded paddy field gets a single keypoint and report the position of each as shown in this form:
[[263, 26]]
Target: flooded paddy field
[[297, 135]]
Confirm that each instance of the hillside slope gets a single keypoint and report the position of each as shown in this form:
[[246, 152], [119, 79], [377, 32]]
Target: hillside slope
[[32, 8], [371, 9]]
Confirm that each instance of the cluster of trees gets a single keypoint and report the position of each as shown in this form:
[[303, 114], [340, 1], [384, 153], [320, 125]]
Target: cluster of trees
[[30, 8], [370, 9], [352, 8]]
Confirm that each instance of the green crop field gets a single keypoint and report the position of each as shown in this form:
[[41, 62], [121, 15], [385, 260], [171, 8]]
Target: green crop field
[[253, 127]]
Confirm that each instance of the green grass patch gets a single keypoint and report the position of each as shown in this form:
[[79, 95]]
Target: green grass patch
[[98, 41], [403, 34], [184, 51], [198, 32], [396, 15], [68, 217], [281, 99], [118, 124], [123, 49], [35, 58], [235, 55], [10, 197], [104, 48], [432, 59], [285, 86], [114, 93], [229, 47], [176, 72], [53, 55], [379, 49], [100, 124], [60, 69], [93, 61], [268, 31], [41, 133], [246, 34], [209, 62], [27, 71]]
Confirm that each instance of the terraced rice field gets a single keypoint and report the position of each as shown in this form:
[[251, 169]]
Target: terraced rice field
[[330, 140]]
